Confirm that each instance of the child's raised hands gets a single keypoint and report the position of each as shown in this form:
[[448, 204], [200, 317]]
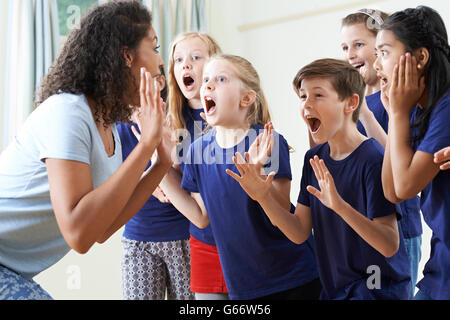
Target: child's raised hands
[[261, 149], [328, 194], [406, 87], [256, 185], [441, 156]]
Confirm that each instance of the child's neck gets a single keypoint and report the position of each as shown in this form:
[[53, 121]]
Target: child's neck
[[345, 141], [228, 137], [195, 103], [371, 89]]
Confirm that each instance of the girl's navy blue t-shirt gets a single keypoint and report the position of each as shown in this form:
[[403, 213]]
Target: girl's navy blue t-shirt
[[256, 257], [435, 202]]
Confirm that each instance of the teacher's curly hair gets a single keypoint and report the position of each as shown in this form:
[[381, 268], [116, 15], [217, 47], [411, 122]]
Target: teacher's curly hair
[[92, 63]]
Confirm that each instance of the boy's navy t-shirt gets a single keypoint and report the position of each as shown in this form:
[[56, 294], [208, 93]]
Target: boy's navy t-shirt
[[344, 259], [435, 202], [256, 257], [410, 208]]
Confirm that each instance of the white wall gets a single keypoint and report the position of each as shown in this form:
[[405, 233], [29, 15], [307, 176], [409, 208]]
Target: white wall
[[277, 52]]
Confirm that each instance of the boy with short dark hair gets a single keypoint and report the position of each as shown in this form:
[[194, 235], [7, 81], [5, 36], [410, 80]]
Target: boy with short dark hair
[[359, 249]]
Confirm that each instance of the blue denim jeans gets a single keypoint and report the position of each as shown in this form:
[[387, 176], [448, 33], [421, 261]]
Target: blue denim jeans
[[413, 248], [15, 287]]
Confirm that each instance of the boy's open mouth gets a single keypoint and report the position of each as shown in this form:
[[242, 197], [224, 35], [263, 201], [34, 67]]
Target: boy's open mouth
[[188, 81], [210, 105], [314, 124], [359, 65]]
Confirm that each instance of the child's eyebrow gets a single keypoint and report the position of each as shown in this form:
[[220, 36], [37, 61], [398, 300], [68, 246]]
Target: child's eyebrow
[[303, 89], [384, 45]]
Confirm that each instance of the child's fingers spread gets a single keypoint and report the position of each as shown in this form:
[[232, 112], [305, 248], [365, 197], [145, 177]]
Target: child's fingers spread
[[401, 71], [239, 165], [135, 132], [395, 75], [247, 157], [324, 169], [233, 175], [239, 158], [445, 166], [441, 154], [319, 167], [314, 167], [270, 177], [313, 191], [408, 69]]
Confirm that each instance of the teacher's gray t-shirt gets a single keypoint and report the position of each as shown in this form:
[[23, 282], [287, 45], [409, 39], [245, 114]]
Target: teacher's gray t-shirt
[[62, 127]]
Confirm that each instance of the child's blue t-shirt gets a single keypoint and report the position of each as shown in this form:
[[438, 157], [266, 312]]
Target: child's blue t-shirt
[[410, 209], [344, 259], [155, 221], [195, 126], [256, 257], [435, 202]]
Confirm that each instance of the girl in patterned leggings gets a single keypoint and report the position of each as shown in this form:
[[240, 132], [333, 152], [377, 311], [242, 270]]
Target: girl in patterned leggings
[[156, 255]]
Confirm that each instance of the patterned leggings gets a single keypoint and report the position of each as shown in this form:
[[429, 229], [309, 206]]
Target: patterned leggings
[[151, 268], [15, 287]]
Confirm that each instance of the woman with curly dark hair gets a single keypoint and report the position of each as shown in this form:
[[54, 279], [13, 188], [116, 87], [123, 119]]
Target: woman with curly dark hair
[[62, 181]]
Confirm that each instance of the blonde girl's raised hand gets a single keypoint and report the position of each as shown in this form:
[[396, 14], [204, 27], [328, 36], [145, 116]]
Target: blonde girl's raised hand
[[327, 194], [441, 156], [166, 149], [261, 149], [257, 186], [406, 88]]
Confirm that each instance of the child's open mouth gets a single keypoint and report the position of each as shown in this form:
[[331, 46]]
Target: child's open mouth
[[210, 106], [383, 81], [359, 65], [188, 82], [314, 124]]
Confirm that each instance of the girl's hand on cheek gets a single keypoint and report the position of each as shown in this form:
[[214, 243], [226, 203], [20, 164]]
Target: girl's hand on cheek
[[406, 88], [385, 98]]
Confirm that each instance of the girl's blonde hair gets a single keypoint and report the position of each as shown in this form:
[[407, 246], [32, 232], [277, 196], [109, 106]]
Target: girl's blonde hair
[[259, 111], [176, 97]]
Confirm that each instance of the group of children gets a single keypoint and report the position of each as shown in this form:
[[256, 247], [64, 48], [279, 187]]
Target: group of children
[[210, 216], [375, 122]]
